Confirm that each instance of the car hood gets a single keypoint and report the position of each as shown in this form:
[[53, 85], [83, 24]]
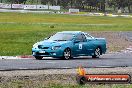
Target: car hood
[[52, 43]]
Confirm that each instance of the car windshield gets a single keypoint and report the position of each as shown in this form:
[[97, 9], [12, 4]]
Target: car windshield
[[61, 37], [88, 36]]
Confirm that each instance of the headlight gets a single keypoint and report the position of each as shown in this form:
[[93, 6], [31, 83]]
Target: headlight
[[56, 47]]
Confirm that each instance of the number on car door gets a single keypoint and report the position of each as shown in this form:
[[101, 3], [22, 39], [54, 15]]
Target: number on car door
[[80, 47]]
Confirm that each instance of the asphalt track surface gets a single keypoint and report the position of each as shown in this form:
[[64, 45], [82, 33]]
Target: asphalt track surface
[[107, 60], [123, 59]]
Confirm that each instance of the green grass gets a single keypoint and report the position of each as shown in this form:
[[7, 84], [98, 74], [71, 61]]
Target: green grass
[[55, 18], [18, 32]]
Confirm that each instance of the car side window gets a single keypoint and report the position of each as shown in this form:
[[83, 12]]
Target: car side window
[[81, 37]]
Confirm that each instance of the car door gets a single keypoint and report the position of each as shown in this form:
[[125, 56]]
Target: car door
[[80, 43], [90, 45]]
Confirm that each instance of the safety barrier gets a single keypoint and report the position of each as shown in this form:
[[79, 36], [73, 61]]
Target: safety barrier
[[29, 7]]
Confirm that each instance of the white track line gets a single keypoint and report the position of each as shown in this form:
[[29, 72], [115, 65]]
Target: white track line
[[58, 23], [8, 57]]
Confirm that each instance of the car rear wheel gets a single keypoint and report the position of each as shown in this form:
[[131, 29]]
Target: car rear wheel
[[67, 54], [38, 57], [97, 53]]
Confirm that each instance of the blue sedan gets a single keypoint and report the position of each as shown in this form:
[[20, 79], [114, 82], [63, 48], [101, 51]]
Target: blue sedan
[[69, 44]]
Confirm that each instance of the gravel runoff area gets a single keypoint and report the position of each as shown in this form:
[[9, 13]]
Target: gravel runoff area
[[116, 41], [63, 76]]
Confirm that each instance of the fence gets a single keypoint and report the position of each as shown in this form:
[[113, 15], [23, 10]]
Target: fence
[[29, 7]]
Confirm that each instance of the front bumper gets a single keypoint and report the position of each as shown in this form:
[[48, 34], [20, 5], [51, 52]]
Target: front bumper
[[47, 52]]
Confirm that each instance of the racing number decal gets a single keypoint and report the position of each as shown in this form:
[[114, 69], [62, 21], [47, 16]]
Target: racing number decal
[[80, 46]]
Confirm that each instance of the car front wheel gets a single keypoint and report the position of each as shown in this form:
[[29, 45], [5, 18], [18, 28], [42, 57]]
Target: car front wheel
[[97, 53], [67, 54], [38, 57]]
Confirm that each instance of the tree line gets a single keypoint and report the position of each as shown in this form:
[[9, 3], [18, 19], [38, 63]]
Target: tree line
[[85, 5]]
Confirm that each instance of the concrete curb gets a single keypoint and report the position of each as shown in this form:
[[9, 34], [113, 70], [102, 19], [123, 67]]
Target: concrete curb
[[8, 57], [25, 56], [127, 50], [16, 57]]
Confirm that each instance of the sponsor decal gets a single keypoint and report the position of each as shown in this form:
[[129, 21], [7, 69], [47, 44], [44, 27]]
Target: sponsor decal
[[83, 78], [54, 7], [30, 7], [18, 6], [73, 10]]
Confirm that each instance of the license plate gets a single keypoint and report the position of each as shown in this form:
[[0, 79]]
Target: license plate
[[41, 51], [34, 53]]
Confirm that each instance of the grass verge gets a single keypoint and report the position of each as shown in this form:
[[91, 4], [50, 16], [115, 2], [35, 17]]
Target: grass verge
[[37, 84], [18, 31]]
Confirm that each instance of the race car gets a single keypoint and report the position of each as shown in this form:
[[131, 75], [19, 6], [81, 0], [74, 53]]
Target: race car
[[69, 44]]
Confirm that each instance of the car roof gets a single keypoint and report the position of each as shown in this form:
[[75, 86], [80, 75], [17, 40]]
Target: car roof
[[72, 32]]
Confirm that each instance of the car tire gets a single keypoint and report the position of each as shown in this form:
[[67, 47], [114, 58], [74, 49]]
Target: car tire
[[67, 54], [38, 57], [81, 80], [97, 53]]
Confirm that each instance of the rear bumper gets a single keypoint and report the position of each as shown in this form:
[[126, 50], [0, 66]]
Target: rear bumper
[[47, 52]]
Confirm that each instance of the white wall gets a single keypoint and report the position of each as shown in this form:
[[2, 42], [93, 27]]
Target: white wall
[[42, 7], [73, 10], [30, 7], [6, 6], [54, 7]]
